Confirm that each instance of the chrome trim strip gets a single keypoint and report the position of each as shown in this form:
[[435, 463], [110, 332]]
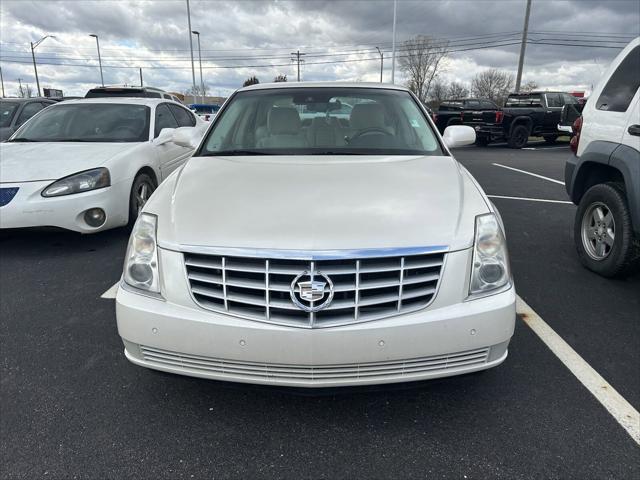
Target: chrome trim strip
[[347, 254]]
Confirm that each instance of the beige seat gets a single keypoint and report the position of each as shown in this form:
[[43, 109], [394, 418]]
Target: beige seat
[[367, 115], [284, 129]]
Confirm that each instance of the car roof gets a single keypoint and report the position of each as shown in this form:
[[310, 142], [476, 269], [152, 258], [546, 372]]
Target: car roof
[[30, 99], [285, 85], [121, 100]]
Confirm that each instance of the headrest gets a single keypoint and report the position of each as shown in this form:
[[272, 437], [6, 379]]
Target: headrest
[[367, 115], [283, 120]]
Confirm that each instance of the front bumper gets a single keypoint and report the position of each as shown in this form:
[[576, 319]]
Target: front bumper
[[30, 209], [176, 336]]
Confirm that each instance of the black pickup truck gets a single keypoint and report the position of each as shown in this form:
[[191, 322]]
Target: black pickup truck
[[524, 115], [451, 112]]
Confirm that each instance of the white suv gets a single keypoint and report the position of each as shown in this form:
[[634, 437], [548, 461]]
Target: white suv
[[319, 250], [603, 177]]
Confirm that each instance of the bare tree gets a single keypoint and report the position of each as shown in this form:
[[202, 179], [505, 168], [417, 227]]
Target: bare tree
[[196, 91], [457, 90], [420, 61], [437, 93], [25, 91], [251, 81], [529, 87], [280, 78], [493, 84]]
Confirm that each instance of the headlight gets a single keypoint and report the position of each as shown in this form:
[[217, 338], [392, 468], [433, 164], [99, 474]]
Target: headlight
[[141, 261], [79, 182], [490, 269]]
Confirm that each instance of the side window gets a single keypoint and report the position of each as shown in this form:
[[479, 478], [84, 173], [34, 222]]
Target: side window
[[569, 99], [554, 100], [164, 119], [489, 105], [623, 84], [472, 104], [168, 97], [28, 111], [184, 118]]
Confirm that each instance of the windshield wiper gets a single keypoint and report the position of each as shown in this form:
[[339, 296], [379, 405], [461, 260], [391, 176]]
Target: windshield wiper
[[229, 153], [22, 140]]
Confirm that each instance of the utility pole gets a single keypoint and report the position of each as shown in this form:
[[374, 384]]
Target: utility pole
[[20, 88], [2, 82], [141, 84], [99, 58], [195, 32], [381, 63], [297, 56], [193, 66], [33, 57], [525, 30], [393, 47]]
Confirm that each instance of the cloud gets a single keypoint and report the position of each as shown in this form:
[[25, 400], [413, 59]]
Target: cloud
[[247, 35]]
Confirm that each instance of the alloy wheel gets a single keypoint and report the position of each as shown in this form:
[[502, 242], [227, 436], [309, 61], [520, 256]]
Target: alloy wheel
[[598, 231]]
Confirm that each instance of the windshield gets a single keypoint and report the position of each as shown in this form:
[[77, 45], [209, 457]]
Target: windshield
[[317, 121], [88, 122], [7, 109]]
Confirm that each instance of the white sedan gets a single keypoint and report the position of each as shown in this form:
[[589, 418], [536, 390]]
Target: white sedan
[[90, 165], [342, 252]]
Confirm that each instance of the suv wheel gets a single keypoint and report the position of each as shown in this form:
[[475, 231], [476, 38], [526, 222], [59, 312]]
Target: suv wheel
[[602, 231], [551, 139], [142, 188], [519, 137]]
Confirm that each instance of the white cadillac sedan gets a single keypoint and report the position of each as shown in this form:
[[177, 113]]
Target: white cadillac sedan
[[327, 251], [90, 165]]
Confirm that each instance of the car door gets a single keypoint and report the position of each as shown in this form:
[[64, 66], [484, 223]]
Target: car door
[[169, 155], [552, 112]]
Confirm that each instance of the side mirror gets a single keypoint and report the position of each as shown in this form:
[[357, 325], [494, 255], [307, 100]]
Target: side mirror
[[459, 136], [165, 136], [187, 137]]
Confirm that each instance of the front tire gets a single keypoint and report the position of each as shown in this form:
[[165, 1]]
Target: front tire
[[519, 137], [142, 188], [603, 233]]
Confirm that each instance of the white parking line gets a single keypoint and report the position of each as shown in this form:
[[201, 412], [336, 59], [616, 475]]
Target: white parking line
[[530, 199], [111, 293], [627, 416], [529, 173], [544, 148]]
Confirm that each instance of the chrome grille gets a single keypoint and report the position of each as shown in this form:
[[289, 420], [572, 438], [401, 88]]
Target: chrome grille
[[366, 288], [314, 373]]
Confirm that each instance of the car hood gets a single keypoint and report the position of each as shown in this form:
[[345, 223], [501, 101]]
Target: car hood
[[318, 203], [29, 162]]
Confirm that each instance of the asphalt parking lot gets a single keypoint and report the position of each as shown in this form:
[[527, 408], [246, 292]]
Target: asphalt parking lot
[[73, 407]]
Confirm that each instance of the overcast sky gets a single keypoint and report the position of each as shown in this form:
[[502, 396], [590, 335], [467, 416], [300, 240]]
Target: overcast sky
[[243, 38]]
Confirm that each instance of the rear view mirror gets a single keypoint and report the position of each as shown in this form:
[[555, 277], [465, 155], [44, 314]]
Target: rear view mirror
[[459, 136], [164, 136]]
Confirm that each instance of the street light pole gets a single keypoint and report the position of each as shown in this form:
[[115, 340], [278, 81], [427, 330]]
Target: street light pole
[[393, 47], [195, 32], [99, 59], [523, 46], [2, 82], [193, 67], [33, 57], [381, 63]]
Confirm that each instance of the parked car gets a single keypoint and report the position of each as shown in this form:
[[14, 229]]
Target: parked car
[[205, 111], [16, 111], [123, 91], [603, 175], [525, 115], [90, 165], [319, 256], [465, 111]]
